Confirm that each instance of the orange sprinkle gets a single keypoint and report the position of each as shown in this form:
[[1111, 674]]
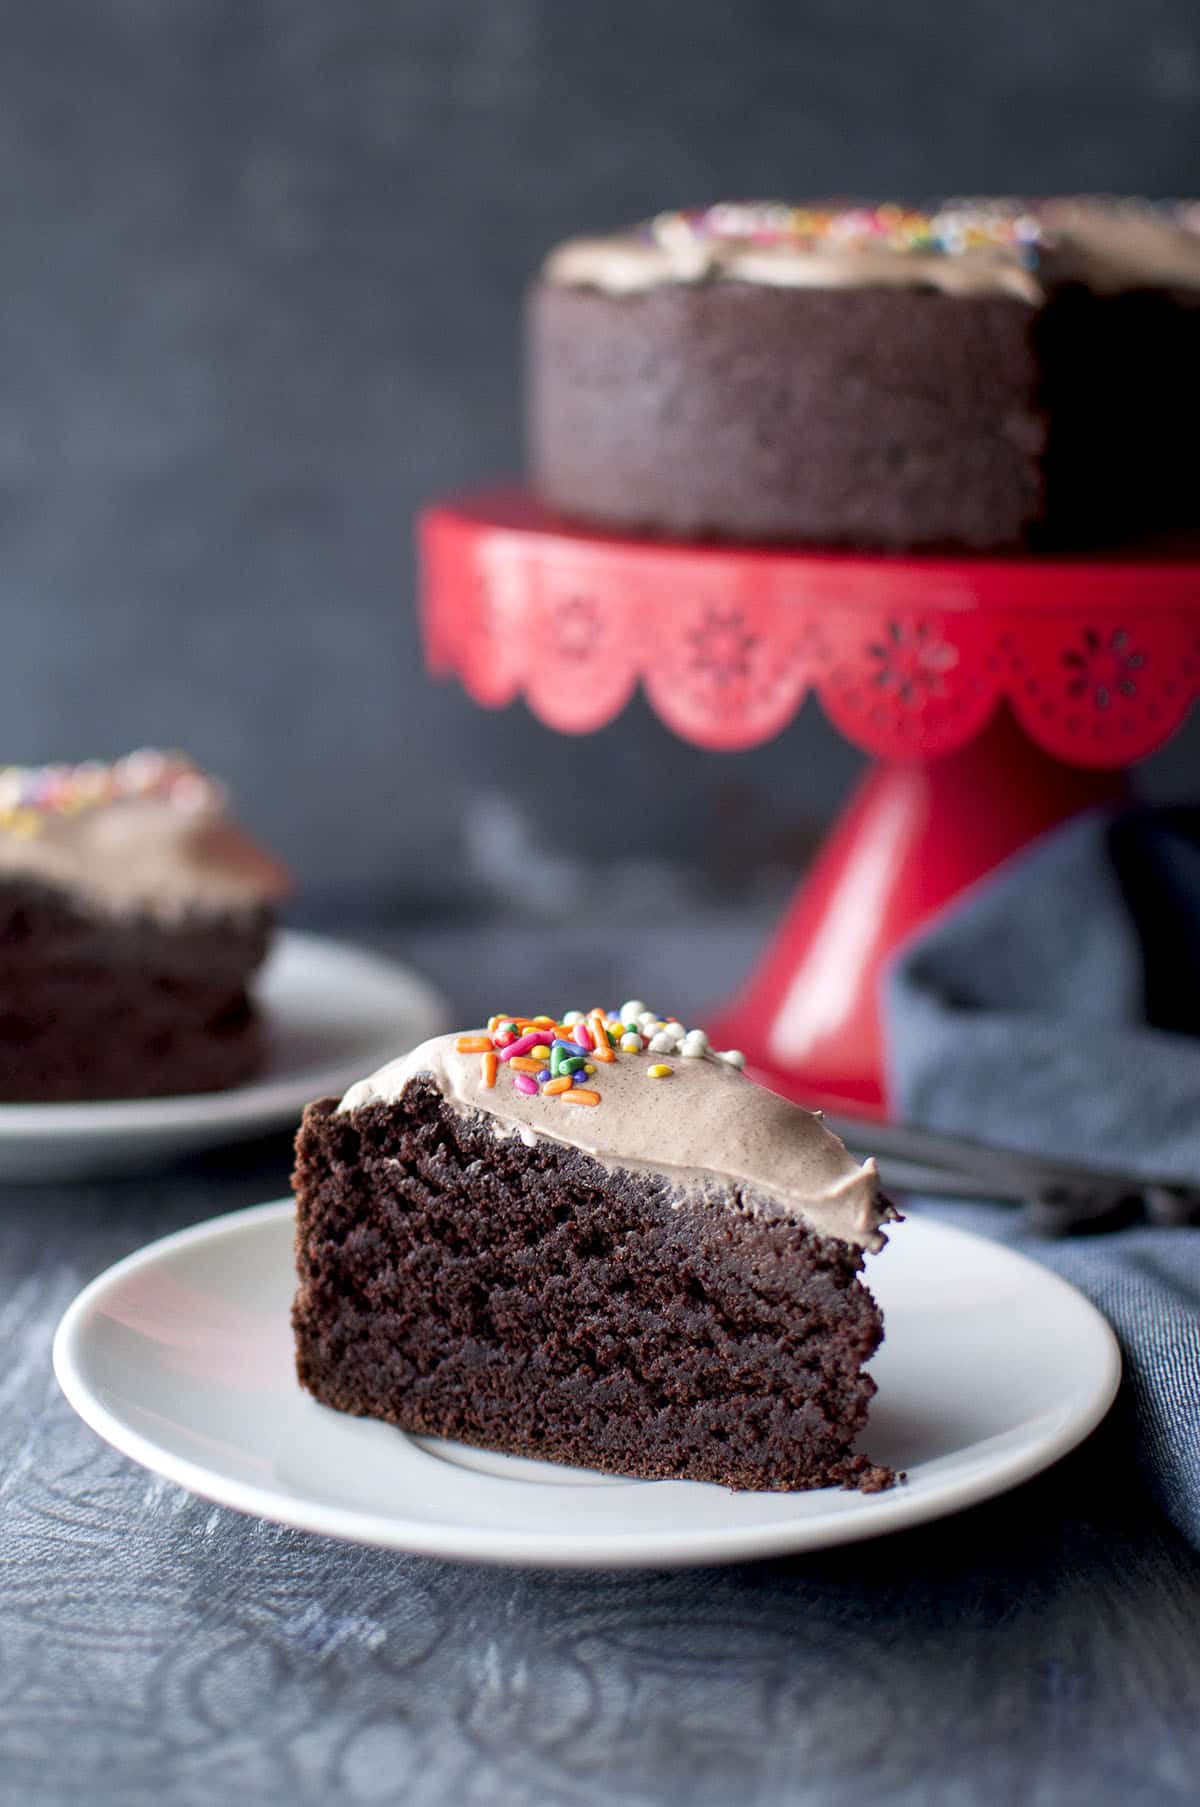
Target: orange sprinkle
[[553, 1088], [489, 1064], [544, 1022], [520, 1063], [579, 1094], [473, 1044], [599, 1029]]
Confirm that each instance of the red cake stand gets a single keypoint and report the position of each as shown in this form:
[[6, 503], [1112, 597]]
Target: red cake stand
[[998, 696]]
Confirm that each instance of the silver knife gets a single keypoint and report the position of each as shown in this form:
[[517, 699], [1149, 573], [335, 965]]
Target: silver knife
[[1058, 1195]]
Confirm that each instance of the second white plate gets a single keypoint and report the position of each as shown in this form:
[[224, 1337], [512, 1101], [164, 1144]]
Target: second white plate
[[181, 1356], [333, 1014]]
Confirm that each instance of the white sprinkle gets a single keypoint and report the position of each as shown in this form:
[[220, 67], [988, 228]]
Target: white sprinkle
[[571, 1018], [633, 1011], [664, 1042], [631, 1043], [733, 1057]]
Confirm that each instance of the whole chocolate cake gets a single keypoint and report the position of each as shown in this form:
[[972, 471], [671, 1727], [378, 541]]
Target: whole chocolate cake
[[132, 917], [982, 376], [593, 1241]]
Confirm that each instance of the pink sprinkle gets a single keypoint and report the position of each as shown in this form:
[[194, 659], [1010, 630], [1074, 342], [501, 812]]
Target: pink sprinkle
[[582, 1037], [521, 1047], [524, 1083]]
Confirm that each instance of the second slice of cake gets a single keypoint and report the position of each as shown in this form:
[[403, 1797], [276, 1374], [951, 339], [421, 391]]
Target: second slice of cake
[[133, 916], [593, 1241]]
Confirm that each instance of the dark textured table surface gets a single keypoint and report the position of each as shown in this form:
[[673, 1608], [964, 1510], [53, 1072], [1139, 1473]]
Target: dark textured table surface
[[155, 1649]]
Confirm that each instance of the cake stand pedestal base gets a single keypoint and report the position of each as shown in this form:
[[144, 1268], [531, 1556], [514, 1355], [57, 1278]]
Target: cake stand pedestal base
[[915, 835]]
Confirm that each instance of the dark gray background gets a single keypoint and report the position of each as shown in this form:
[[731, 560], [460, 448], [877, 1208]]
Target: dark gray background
[[262, 270]]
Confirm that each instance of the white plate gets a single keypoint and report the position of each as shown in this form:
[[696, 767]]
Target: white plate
[[181, 1356], [333, 1013]]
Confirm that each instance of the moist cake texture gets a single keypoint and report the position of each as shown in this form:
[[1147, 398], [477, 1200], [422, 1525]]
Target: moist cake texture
[[984, 376], [595, 1241], [133, 916]]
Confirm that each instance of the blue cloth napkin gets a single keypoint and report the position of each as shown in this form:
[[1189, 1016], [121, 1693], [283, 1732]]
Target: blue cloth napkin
[[1056, 1009]]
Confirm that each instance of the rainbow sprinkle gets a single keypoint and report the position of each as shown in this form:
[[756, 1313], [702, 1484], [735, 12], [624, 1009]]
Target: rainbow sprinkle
[[31, 795], [558, 1058], [954, 228]]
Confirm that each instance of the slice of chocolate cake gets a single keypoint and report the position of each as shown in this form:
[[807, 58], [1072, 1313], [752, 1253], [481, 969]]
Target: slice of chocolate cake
[[133, 915], [593, 1241], [980, 376]]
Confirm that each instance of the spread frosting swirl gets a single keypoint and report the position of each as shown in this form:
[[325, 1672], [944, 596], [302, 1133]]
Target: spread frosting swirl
[[997, 247], [693, 1117], [147, 833]]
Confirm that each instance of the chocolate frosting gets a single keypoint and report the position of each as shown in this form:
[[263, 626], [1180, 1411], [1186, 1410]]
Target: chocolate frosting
[[148, 834], [707, 1128], [1113, 246], [986, 247]]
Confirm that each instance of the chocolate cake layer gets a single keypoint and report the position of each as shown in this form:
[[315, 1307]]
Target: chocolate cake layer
[[122, 1007], [1119, 384], [521, 1295], [871, 417]]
